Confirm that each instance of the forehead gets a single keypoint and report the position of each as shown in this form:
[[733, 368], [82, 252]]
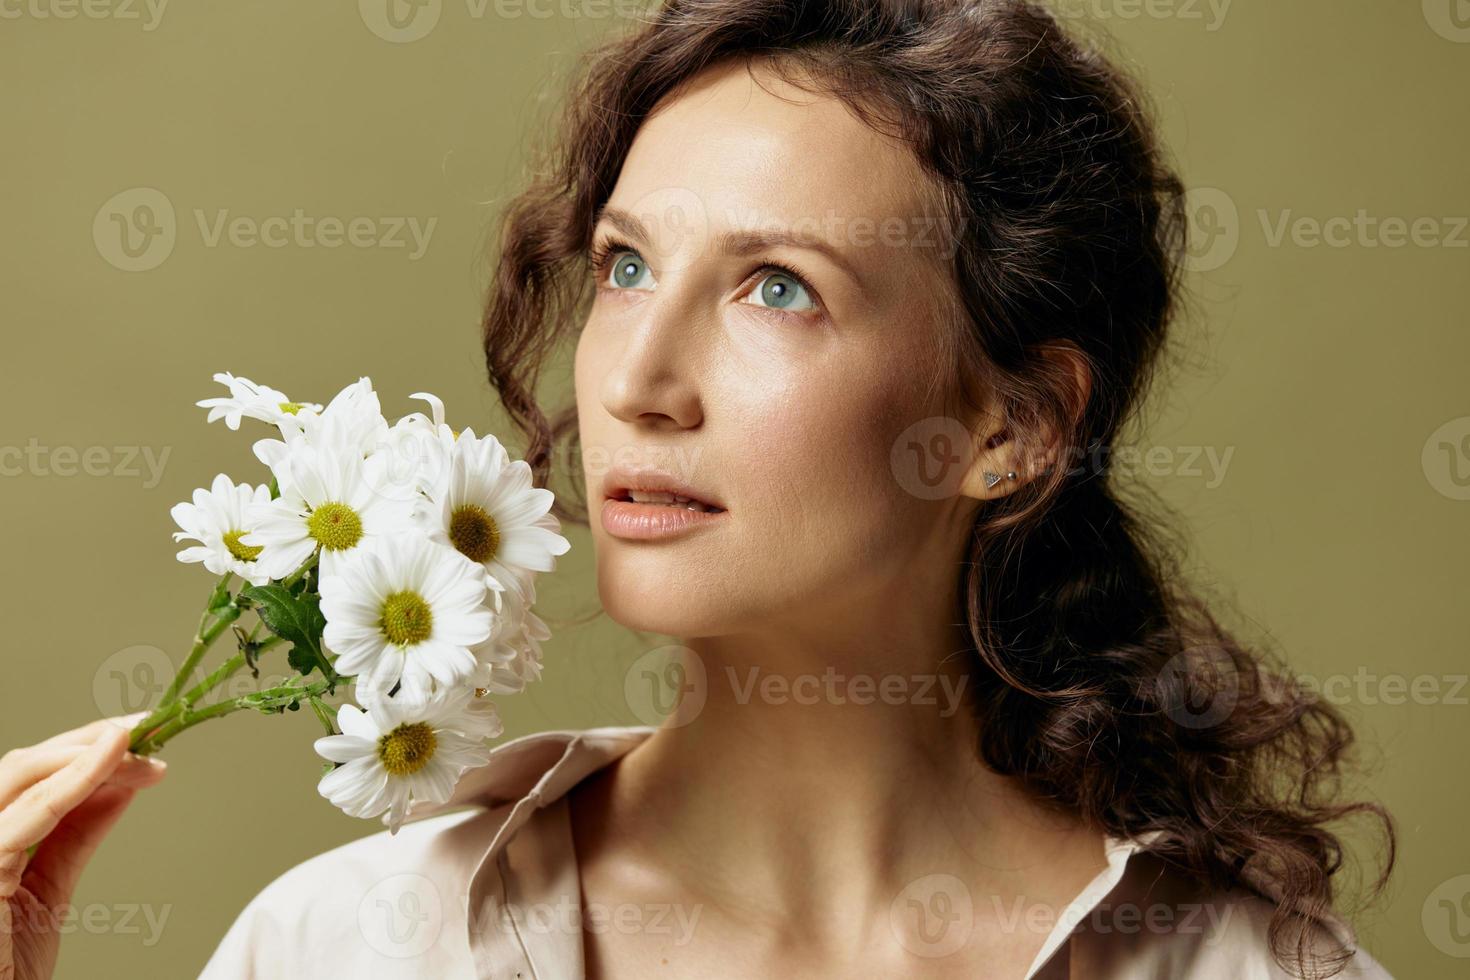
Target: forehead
[[749, 148]]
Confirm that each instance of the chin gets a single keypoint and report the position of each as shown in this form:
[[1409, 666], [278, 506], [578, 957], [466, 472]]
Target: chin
[[668, 612], [643, 594]]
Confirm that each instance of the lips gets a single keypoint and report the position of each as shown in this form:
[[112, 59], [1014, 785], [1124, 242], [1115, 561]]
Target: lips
[[669, 500], [656, 488], [646, 505]]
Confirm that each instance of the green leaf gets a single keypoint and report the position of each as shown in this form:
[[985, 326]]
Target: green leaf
[[298, 620], [301, 661]]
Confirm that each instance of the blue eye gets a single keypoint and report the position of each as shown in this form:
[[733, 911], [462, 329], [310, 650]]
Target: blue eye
[[629, 270], [781, 288], [782, 292]]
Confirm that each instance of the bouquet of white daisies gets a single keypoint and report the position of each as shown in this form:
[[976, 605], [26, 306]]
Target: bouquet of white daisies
[[400, 558]]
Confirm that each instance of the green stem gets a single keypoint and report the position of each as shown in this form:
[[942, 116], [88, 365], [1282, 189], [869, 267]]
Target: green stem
[[224, 671], [175, 711], [324, 715], [270, 700], [204, 638], [306, 566]]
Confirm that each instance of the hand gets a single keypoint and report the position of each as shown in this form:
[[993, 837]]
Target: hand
[[63, 794]]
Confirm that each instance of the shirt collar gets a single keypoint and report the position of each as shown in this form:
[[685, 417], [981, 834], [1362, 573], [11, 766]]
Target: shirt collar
[[536, 771]]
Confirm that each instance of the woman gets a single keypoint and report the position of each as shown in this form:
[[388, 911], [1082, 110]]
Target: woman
[[865, 291]]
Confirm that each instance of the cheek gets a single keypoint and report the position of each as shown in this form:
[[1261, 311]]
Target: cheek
[[590, 364], [816, 465]]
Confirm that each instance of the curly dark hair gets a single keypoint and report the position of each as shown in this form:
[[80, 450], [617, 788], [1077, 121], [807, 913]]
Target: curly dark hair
[[1069, 230]]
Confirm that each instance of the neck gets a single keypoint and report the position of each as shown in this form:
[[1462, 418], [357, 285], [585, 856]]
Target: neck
[[812, 775]]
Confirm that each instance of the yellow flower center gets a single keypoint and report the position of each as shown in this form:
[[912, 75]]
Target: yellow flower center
[[474, 533], [407, 619], [244, 552], [336, 526], [290, 408], [407, 748]]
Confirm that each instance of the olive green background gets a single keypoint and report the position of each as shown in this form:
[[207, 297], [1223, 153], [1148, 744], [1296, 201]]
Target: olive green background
[[1333, 375]]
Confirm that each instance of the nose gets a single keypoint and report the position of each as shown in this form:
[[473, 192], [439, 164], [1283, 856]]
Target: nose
[[652, 382]]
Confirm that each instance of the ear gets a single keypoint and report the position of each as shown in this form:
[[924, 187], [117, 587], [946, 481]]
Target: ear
[[1007, 460]]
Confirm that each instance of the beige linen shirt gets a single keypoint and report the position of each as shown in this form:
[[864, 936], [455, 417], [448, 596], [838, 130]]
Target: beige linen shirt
[[494, 892]]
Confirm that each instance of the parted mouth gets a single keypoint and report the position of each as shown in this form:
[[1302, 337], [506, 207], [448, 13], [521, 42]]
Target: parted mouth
[[668, 500], [657, 488]]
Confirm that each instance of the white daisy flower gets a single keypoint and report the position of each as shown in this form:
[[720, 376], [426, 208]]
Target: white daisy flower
[[352, 418], [352, 423], [435, 419], [401, 751], [250, 400], [216, 519], [487, 509], [414, 454], [327, 500], [511, 657], [405, 611]]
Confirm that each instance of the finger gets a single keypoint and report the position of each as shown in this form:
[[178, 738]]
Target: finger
[[21, 768], [87, 734], [39, 808], [137, 771], [24, 767], [132, 774], [54, 871]]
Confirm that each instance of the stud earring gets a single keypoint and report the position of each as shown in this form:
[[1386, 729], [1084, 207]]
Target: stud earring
[[991, 479]]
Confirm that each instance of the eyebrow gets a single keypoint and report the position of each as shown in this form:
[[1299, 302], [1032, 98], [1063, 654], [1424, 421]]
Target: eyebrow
[[738, 242]]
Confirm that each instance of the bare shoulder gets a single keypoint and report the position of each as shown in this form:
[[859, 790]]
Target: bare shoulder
[[1159, 923]]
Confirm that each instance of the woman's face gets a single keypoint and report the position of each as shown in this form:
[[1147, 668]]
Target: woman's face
[[775, 379]]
